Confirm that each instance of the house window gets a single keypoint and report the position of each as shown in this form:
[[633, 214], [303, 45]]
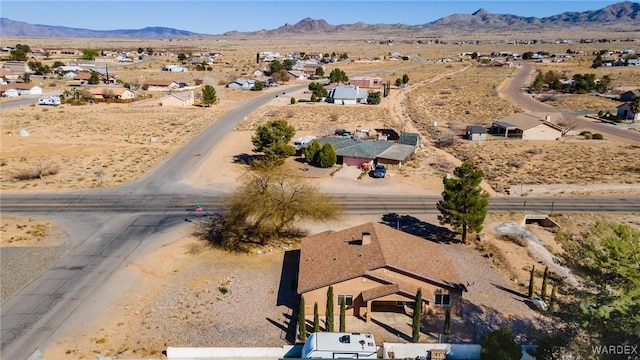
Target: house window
[[443, 299], [348, 300]]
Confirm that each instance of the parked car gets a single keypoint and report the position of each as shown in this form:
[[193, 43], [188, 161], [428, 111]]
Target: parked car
[[539, 303], [342, 132], [379, 171]]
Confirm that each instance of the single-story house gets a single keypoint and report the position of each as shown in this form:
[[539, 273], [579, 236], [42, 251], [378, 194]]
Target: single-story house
[[347, 95], [260, 73], [161, 85], [526, 126], [356, 152], [625, 112], [10, 93], [243, 84], [297, 74], [19, 67], [25, 89], [116, 92], [475, 133], [369, 266], [629, 95], [174, 68], [367, 82], [178, 99]]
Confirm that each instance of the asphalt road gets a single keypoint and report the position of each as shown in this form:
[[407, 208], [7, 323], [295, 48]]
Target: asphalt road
[[106, 225]]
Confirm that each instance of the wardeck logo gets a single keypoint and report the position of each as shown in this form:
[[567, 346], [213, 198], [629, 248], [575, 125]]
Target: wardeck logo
[[615, 349]]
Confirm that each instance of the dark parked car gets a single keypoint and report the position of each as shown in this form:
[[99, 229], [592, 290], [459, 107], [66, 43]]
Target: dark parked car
[[379, 172]]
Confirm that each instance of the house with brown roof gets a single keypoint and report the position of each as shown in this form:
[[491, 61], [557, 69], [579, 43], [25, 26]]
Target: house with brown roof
[[375, 268], [115, 92], [160, 85], [178, 99], [527, 126]]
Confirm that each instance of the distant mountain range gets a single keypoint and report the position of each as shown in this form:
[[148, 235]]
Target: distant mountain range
[[621, 15]]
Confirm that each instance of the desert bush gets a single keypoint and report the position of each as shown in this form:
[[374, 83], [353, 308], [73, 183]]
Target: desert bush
[[445, 140], [588, 136], [585, 132], [534, 151], [597, 136], [545, 98], [40, 171], [292, 101]]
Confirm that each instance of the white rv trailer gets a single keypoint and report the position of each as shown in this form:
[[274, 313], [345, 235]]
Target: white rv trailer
[[49, 100], [338, 345]]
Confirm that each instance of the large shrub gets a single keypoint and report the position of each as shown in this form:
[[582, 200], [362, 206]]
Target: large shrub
[[327, 156]]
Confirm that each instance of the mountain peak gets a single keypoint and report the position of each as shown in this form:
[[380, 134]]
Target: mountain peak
[[481, 12]]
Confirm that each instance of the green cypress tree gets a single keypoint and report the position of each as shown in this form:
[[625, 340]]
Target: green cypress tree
[[327, 156], [552, 299], [311, 151], [417, 317], [329, 313], [302, 322], [316, 318], [343, 314], [446, 331], [543, 290], [531, 279], [464, 204]]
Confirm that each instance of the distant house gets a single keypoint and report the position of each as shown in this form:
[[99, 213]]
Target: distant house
[[297, 74], [178, 99], [369, 267], [625, 112], [26, 89], [259, 73], [120, 93], [347, 95], [367, 82], [243, 84], [475, 133], [526, 126], [174, 68], [9, 92], [161, 85], [19, 67], [629, 95]]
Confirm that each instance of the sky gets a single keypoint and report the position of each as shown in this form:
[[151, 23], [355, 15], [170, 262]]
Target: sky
[[217, 17]]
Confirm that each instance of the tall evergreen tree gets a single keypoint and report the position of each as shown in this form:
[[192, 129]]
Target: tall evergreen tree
[[327, 156], [531, 282], [343, 315], [446, 331], [417, 317], [545, 277], [316, 318], [311, 151], [500, 345], [302, 322], [464, 203], [329, 320], [209, 95], [553, 298]]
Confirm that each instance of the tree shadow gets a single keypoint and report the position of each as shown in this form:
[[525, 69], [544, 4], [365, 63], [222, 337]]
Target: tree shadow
[[510, 291], [289, 327], [481, 320], [417, 227], [244, 158], [390, 329]]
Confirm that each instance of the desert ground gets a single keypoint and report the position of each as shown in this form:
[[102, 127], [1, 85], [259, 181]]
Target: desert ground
[[177, 279]]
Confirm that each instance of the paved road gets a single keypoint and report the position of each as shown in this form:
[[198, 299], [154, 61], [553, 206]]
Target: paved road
[[161, 199], [516, 92]]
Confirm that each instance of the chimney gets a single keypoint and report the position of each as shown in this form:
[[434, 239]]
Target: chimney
[[366, 238]]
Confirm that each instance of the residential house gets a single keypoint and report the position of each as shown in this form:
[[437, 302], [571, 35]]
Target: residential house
[[625, 112], [23, 89], [376, 268], [347, 95], [178, 99], [6, 92], [19, 67], [243, 84], [475, 133], [527, 126], [160, 85], [174, 68], [260, 73], [297, 74], [367, 82], [629, 95], [355, 152], [116, 92]]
